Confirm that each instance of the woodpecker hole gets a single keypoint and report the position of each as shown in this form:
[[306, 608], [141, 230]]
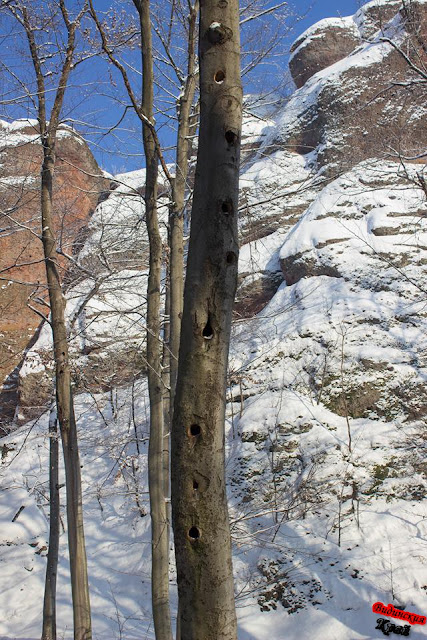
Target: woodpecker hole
[[231, 137], [194, 533], [219, 77], [208, 331], [195, 430], [218, 33], [231, 258], [227, 207], [195, 485]]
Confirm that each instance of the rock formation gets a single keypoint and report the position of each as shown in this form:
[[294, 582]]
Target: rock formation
[[358, 101], [78, 183], [357, 90], [320, 46]]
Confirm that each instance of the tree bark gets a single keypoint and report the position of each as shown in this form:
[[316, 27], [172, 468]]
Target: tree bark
[[64, 399], [49, 603], [199, 502], [158, 507], [176, 217], [64, 403], [175, 285]]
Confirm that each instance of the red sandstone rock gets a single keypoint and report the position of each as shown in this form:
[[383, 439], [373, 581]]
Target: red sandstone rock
[[77, 185]]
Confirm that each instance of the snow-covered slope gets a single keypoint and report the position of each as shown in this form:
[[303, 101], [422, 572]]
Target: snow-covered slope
[[327, 403], [328, 383], [116, 524]]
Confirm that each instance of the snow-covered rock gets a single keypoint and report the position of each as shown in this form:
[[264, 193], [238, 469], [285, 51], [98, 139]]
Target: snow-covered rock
[[323, 44], [369, 102]]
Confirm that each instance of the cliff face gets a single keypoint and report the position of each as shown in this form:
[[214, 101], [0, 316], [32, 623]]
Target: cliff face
[[77, 185], [359, 98]]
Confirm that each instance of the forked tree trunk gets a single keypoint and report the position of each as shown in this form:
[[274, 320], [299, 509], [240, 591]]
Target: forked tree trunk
[[49, 603], [199, 502], [65, 408], [158, 508], [64, 398]]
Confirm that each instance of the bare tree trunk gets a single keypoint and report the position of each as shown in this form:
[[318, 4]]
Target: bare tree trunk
[[176, 217], [49, 604], [176, 241], [64, 400], [157, 483], [159, 520], [166, 363], [199, 502], [65, 408]]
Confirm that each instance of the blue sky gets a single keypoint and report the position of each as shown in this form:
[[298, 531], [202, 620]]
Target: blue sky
[[328, 8], [314, 10], [95, 99]]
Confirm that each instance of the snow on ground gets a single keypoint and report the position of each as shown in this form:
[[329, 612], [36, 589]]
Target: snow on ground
[[116, 524], [326, 506], [292, 480], [328, 386]]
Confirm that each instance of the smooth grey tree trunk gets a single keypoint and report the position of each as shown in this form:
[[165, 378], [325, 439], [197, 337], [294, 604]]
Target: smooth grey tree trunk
[[158, 506], [199, 501], [179, 187], [157, 483]]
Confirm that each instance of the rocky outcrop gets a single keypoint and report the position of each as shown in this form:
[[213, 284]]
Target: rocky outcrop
[[333, 39], [336, 199], [370, 102], [320, 46], [326, 405], [355, 267], [78, 182], [375, 15], [373, 211], [356, 100], [106, 301]]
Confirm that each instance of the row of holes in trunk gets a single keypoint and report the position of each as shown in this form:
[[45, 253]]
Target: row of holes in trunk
[[231, 258]]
